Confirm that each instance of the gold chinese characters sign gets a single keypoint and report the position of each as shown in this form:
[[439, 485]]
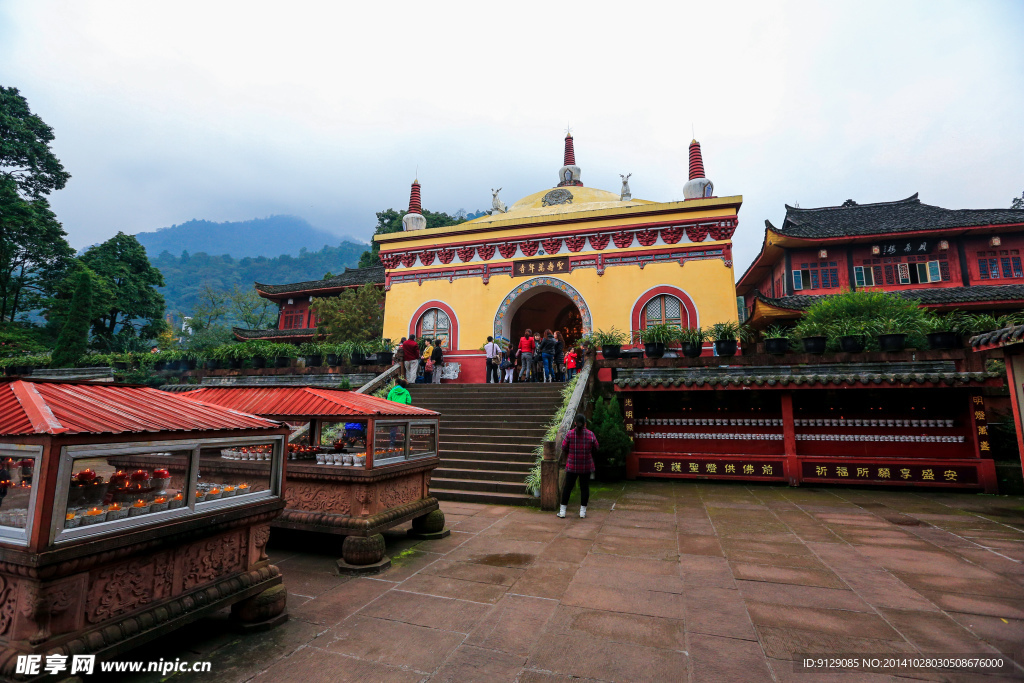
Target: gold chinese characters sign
[[700, 467], [896, 473], [541, 266]]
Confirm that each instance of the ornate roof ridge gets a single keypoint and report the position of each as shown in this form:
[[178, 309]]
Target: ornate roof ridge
[[912, 199]]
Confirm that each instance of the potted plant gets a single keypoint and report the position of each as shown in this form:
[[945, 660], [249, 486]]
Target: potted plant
[[384, 349], [849, 333], [332, 355], [312, 353], [812, 335], [726, 337], [610, 341], [891, 332], [362, 352], [982, 322], [260, 352], [776, 340], [655, 338], [283, 355], [692, 340], [120, 361]]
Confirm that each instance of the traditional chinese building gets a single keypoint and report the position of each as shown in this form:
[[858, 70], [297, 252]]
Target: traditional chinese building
[[943, 258], [571, 258], [296, 321]]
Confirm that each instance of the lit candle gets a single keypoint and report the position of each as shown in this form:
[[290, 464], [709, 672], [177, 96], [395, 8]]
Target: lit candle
[[94, 511], [160, 500], [139, 504]]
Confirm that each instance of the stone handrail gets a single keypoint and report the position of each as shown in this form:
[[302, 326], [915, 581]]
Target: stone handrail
[[551, 465], [380, 380]]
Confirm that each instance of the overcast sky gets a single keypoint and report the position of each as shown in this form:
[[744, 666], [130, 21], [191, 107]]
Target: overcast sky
[[227, 111]]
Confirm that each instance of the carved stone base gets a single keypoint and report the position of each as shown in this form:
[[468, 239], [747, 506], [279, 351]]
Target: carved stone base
[[262, 606], [346, 569], [429, 536], [360, 550], [260, 626], [430, 523]]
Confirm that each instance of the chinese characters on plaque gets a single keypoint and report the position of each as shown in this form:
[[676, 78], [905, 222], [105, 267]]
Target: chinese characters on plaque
[[907, 247], [894, 472], [629, 421], [712, 468], [541, 266], [981, 424]]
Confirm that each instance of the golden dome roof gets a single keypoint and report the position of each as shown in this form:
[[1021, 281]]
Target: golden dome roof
[[551, 202]]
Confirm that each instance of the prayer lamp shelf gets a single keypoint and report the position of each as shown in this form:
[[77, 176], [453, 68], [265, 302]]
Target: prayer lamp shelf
[[97, 558]]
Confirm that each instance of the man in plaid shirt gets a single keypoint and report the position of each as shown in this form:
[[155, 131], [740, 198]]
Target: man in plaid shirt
[[580, 445]]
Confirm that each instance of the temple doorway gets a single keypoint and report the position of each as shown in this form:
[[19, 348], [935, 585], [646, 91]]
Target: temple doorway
[[548, 310], [543, 303]]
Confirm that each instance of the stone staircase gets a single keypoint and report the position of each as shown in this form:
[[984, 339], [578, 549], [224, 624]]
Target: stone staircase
[[489, 433]]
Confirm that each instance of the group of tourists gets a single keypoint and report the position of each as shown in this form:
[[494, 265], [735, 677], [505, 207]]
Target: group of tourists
[[538, 358], [430, 359]]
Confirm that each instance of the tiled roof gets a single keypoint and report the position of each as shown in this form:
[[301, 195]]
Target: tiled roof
[[1003, 337], [352, 277], [906, 215], [774, 379], [926, 296], [272, 334], [303, 401], [28, 407]]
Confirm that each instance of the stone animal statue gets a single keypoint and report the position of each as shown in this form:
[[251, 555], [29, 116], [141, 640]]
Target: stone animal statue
[[626, 195], [497, 205]]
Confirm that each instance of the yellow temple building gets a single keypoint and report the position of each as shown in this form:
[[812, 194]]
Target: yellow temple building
[[569, 258]]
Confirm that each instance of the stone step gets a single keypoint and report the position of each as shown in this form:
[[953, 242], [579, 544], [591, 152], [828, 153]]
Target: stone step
[[485, 485], [478, 447], [520, 466], [457, 423], [448, 454], [488, 475], [487, 431], [449, 407], [484, 498]]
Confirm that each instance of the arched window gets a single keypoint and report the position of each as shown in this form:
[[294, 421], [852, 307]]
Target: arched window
[[663, 309], [435, 324]]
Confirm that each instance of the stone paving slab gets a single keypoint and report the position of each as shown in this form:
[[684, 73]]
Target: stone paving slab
[[664, 581]]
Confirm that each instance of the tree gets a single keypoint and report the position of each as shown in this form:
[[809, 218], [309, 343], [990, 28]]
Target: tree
[[1018, 202], [608, 426], [389, 221], [25, 154], [74, 336], [250, 309], [34, 251], [134, 306], [356, 314]]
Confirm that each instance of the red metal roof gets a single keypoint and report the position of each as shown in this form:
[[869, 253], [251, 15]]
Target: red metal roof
[[303, 401], [32, 407]]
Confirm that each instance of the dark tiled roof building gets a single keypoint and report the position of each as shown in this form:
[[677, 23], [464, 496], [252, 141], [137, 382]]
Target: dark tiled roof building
[[296, 322], [944, 258]]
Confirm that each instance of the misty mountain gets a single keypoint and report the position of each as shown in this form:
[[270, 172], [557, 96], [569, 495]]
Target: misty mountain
[[271, 236]]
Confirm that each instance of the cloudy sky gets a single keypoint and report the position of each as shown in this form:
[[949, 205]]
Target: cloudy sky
[[226, 111]]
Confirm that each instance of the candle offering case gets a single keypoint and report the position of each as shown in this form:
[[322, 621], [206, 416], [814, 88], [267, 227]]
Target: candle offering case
[[358, 465], [96, 558]]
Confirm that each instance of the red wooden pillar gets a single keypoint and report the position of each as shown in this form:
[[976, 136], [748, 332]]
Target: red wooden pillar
[[789, 439], [1014, 378]]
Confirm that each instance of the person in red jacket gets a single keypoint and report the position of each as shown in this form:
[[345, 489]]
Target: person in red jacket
[[526, 349], [411, 354]]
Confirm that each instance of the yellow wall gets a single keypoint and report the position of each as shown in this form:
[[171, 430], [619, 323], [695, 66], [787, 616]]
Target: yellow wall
[[610, 297]]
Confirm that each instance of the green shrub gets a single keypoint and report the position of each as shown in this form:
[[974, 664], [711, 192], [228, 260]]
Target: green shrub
[[614, 443]]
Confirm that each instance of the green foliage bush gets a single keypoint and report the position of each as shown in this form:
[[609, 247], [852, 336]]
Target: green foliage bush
[[609, 428]]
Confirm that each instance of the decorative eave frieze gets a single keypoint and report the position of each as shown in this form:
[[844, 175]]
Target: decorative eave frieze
[[600, 261], [648, 235]]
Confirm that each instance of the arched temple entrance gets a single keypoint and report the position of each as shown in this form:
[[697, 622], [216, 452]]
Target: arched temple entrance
[[543, 303]]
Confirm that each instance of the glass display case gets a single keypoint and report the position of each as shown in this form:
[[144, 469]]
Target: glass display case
[[18, 465], [395, 441], [103, 488]]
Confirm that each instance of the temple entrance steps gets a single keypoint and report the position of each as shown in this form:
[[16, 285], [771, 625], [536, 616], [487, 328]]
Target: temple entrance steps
[[489, 433]]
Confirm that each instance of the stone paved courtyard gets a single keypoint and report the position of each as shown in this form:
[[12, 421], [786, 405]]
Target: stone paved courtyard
[[662, 582]]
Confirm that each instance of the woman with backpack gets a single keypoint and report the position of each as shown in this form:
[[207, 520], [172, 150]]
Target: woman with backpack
[[579, 447], [436, 362]]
